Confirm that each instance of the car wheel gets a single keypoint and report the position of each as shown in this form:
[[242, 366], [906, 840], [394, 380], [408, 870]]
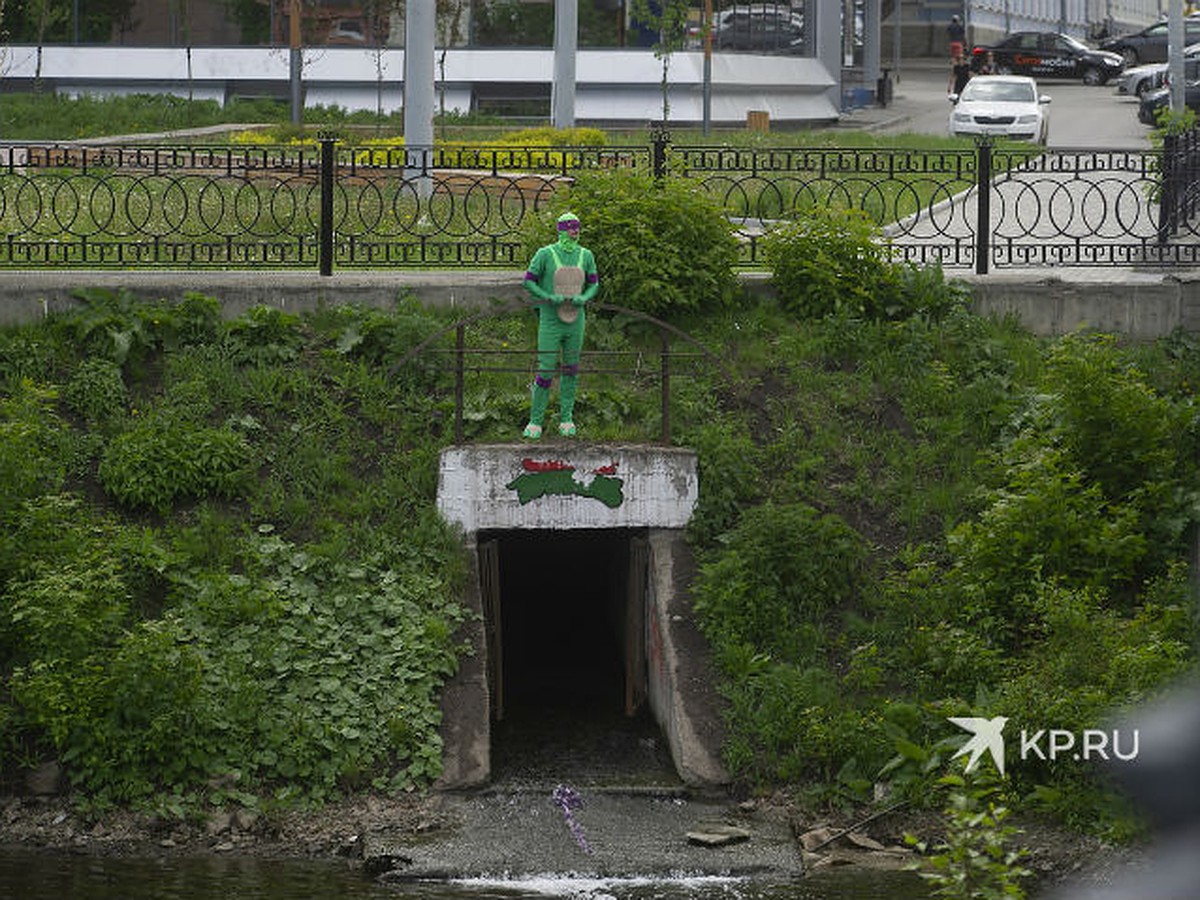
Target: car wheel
[[1142, 87], [1131, 57], [1092, 76]]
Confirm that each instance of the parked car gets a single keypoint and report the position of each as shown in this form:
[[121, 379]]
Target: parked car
[[1153, 101], [347, 31], [1001, 106], [1150, 44], [1048, 54], [755, 27], [1137, 81]]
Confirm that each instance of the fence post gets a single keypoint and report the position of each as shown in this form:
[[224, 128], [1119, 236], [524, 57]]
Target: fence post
[[983, 218], [659, 139], [1189, 178], [1166, 193], [325, 228], [1189, 181], [459, 351], [665, 384]]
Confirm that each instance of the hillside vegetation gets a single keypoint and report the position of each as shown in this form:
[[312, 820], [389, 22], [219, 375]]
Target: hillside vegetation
[[223, 580]]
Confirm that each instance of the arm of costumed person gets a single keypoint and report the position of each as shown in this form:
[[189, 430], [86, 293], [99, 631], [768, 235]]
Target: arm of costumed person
[[533, 278]]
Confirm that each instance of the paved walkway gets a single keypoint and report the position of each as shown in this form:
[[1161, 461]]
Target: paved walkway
[[1051, 201]]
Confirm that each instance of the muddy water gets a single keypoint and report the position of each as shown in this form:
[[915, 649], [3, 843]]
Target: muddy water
[[26, 875]]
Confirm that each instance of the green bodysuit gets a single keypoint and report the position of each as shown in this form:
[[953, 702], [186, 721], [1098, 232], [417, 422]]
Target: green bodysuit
[[562, 278]]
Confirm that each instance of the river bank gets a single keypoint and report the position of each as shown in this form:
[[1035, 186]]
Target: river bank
[[365, 829]]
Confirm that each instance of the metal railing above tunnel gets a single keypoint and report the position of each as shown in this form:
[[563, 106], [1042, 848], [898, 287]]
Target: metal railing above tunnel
[[638, 366], [326, 206]]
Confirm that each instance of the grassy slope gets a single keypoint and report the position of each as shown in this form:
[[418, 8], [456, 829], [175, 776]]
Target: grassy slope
[[908, 433]]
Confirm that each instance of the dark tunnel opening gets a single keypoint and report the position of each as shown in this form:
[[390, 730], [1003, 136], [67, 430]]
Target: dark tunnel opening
[[569, 644]]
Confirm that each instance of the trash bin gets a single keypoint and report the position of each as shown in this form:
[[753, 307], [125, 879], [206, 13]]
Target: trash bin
[[883, 88]]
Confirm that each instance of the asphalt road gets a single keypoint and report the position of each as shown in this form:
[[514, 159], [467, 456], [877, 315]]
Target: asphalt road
[[1080, 116]]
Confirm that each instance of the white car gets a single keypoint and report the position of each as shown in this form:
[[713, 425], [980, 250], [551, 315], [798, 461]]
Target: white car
[[1001, 106]]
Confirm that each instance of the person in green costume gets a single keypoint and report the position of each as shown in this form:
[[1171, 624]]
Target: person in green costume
[[561, 278]]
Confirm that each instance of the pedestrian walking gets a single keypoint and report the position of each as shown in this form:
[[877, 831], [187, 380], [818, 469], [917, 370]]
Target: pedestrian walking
[[960, 74], [957, 35]]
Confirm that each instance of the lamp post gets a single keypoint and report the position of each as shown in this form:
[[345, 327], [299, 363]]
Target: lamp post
[[706, 31], [1175, 54], [295, 61]]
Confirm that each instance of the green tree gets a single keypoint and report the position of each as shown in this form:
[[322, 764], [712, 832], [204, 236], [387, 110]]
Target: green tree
[[670, 19], [253, 18], [662, 248], [504, 23], [54, 21]]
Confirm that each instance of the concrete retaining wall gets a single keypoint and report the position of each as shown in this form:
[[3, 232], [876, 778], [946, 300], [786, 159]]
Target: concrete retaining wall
[[682, 690], [1142, 305], [1136, 305], [492, 486]]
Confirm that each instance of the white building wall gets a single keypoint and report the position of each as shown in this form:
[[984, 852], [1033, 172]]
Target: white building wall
[[611, 85], [1083, 18]]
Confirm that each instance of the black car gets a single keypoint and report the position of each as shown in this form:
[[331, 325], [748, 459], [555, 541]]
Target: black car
[[1047, 54], [1150, 44], [1153, 101]]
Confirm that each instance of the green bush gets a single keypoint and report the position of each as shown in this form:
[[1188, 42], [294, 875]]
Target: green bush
[[1093, 490], [1047, 523], [155, 465], [28, 353], [223, 683], [791, 724], [1090, 661], [978, 859], [782, 572], [661, 246], [126, 329], [1105, 414], [96, 391], [728, 479], [833, 261], [265, 335], [33, 445], [66, 592]]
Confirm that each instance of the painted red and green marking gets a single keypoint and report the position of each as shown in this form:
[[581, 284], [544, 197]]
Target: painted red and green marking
[[554, 477]]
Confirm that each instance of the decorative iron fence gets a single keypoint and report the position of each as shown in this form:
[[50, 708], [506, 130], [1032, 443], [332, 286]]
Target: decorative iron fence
[[1180, 199], [325, 207]]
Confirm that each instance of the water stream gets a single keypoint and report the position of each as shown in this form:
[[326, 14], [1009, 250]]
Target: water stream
[[33, 875]]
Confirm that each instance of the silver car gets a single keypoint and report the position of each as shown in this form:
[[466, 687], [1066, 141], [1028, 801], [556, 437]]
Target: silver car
[[1141, 79]]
